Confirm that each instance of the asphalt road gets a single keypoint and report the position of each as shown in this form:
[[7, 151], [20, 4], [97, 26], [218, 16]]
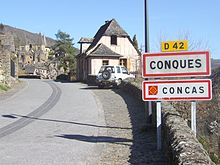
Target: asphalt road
[[51, 123]]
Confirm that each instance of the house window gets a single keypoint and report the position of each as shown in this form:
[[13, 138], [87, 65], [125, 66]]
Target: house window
[[113, 40], [105, 62], [123, 62]]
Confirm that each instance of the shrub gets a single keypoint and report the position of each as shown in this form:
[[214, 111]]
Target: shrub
[[3, 87]]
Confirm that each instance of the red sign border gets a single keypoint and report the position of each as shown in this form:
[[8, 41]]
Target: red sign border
[[183, 74], [178, 98]]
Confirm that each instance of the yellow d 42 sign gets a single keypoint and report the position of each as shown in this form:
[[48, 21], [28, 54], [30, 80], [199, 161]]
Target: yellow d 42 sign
[[172, 46]]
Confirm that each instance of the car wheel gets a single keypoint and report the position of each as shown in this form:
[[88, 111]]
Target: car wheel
[[106, 74]]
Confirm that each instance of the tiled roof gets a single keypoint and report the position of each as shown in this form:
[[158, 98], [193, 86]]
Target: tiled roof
[[86, 40], [113, 28], [102, 50], [109, 28]]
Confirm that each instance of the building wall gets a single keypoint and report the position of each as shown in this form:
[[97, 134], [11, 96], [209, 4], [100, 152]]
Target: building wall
[[31, 54], [96, 64], [84, 47], [7, 50], [4, 65], [125, 48], [82, 67]]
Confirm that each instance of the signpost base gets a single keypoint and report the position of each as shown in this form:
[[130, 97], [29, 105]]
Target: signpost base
[[150, 112], [193, 116], [159, 144]]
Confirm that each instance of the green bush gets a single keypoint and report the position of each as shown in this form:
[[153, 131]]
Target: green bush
[[214, 158], [206, 145], [3, 87]]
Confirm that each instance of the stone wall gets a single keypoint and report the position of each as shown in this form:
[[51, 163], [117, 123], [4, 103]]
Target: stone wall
[[182, 145], [4, 65], [7, 51]]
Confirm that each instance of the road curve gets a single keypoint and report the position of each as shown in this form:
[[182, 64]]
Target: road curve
[[68, 128], [44, 108]]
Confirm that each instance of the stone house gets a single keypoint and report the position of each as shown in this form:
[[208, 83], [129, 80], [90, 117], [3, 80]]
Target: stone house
[[32, 57], [31, 54], [111, 45], [8, 61]]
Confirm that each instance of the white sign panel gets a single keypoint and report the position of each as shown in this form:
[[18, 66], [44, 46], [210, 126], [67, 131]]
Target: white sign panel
[[173, 64], [177, 90]]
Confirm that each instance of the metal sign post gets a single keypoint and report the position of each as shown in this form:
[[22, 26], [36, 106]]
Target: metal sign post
[[187, 64], [193, 116], [159, 121], [150, 115], [148, 108]]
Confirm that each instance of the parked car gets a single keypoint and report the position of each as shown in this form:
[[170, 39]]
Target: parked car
[[110, 75]]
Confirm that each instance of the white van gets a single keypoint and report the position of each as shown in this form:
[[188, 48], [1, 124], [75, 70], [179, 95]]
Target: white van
[[112, 75]]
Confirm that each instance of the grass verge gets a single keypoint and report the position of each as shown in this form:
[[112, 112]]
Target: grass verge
[[4, 87]]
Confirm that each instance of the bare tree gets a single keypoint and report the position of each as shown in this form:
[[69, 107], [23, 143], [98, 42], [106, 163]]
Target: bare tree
[[193, 44]]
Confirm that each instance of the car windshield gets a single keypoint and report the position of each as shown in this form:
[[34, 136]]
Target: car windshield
[[109, 68]]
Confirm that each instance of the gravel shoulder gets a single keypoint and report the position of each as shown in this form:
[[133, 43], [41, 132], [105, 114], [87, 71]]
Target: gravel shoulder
[[130, 140]]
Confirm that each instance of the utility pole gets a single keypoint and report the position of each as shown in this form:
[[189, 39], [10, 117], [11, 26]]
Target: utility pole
[[148, 108], [146, 23], [148, 105]]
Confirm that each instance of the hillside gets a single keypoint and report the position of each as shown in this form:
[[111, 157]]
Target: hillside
[[208, 116], [215, 63], [22, 37]]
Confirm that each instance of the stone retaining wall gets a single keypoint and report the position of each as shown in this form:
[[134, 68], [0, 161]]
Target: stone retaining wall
[[182, 145]]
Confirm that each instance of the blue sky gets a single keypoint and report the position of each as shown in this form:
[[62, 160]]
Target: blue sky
[[168, 20]]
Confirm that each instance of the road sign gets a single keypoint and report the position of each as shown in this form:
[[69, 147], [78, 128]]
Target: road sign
[[173, 64], [170, 46], [177, 90]]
